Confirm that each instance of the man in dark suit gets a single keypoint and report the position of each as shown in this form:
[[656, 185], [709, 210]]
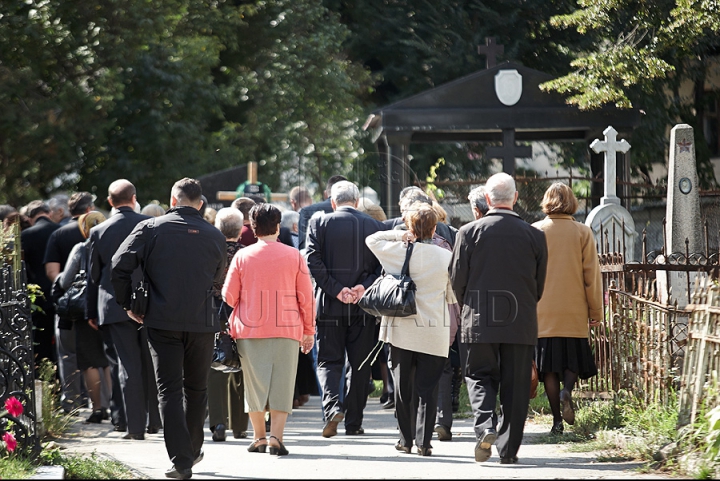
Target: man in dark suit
[[343, 267], [498, 273], [133, 369], [182, 255], [307, 212], [34, 241]]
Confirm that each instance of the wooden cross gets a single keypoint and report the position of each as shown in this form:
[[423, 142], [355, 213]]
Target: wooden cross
[[491, 50], [611, 146], [509, 151]]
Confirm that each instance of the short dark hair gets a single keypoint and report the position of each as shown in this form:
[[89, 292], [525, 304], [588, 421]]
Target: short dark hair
[[257, 198], [187, 191], [6, 210], [36, 207], [332, 181], [244, 204], [80, 202], [204, 205], [265, 219]]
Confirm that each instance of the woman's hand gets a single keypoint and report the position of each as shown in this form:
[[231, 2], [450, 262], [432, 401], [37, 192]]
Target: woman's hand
[[408, 236], [307, 342], [594, 322]]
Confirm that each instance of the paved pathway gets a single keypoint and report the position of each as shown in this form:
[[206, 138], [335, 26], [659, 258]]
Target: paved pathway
[[370, 456]]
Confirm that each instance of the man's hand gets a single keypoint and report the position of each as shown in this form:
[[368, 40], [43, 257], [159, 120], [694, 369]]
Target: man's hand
[[307, 342], [135, 317], [358, 292], [93, 323], [346, 296]]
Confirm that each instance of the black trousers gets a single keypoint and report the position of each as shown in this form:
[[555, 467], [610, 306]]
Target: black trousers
[[444, 409], [136, 375], [505, 368], [355, 337], [416, 376], [182, 364], [226, 400], [117, 403]]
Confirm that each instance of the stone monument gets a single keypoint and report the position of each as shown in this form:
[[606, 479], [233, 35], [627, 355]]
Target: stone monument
[[610, 216], [683, 216]]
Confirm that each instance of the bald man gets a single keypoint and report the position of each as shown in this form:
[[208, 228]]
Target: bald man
[[128, 345]]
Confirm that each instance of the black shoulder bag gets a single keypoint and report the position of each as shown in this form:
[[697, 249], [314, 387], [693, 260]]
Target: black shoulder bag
[[226, 357], [391, 295], [139, 299], [71, 305]]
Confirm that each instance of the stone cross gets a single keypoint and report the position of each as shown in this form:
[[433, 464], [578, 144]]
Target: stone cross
[[509, 151], [490, 50], [611, 146]]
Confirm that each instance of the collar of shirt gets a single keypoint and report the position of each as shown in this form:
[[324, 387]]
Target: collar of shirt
[[502, 211]]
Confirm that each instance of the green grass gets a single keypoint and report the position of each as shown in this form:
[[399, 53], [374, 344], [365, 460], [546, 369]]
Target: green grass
[[13, 467], [86, 467], [54, 421]]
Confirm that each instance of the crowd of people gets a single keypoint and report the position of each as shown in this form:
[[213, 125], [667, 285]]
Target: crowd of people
[[492, 298]]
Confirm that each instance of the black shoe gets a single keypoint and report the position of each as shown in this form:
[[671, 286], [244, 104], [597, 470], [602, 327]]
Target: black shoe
[[95, 417], [482, 448], [354, 432], [278, 450], [105, 414], [178, 473], [424, 451], [404, 449], [219, 433], [384, 398], [557, 428], [240, 435], [389, 404], [443, 432], [136, 437], [153, 429], [257, 448], [121, 428], [509, 460]]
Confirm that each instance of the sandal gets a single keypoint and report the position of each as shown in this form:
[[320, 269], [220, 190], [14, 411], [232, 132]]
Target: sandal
[[257, 448], [278, 450]]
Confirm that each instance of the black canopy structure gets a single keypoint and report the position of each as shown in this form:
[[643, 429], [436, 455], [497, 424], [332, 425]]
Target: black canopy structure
[[500, 104]]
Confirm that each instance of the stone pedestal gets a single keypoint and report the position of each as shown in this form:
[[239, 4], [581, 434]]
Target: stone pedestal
[[607, 217]]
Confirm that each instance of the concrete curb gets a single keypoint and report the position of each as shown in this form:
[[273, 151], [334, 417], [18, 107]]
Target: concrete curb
[[49, 472]]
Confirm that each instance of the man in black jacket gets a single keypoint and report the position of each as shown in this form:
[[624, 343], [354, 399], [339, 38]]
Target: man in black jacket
[[498, 273], [134, 388], [181, 255], [307, 212], [343, 267]]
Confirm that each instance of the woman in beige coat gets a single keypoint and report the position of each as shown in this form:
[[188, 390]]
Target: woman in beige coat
[[418, 344], [571, 301]]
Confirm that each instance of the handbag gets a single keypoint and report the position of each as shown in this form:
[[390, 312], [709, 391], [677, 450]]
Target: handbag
[[392, 295], [226, 357], [534, 379], [71, 304], [139, 298]]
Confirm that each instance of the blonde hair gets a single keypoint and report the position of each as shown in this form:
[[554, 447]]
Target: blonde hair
[[559, 199], [88, 221]]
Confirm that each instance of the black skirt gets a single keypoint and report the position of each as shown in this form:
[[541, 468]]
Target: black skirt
[[556, 354]]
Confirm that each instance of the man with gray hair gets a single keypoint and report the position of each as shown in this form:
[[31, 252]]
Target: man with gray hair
[[498, 273], [59, 209], [343, 267], [477, 202]]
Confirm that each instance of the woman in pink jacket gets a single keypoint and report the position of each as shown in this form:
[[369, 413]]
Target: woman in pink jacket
[[268, 285]]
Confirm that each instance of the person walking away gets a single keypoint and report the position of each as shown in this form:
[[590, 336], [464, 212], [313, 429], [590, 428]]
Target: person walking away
[[182, 256], [418, 344], [498, 273], [572, 301], [269, 288]]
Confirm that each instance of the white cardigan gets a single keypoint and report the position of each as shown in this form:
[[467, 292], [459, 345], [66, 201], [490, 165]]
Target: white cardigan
[[429, 331]]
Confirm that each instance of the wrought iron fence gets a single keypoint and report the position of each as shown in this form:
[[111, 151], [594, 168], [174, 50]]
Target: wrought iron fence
[[17, 368]]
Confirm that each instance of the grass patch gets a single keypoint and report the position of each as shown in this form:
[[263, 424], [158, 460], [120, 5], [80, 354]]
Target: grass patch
[[13, 467], [54, 421], [86, 467]]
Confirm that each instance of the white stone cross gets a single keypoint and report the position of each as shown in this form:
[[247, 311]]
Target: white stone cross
[[611, 147]]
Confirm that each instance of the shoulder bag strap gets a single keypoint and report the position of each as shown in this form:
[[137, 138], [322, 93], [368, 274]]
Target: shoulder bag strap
[[406, 266], [151, 225]]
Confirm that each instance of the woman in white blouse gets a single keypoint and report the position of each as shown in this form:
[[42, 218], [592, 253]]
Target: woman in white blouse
[[419, 343]]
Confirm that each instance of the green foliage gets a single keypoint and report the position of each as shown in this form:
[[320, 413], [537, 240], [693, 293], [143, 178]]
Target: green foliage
[[85, 467], [55, 421], [14, 467], [597, 415]]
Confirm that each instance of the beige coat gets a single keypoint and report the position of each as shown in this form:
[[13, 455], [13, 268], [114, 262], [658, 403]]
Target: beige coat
[[429, 331], [573, 286]]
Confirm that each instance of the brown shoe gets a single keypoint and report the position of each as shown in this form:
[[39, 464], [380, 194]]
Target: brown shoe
[[330, 428], [568, 412]]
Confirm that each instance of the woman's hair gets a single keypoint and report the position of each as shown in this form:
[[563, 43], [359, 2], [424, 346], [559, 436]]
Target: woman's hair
[[264, 219], [229, 221], [88, 221], [421, 220], [440, 212], [559, 199], [372, 209], [153, 210]]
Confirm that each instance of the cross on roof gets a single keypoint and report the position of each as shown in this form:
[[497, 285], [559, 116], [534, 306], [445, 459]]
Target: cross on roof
[[610, 146], [491, 50], [509, 151]]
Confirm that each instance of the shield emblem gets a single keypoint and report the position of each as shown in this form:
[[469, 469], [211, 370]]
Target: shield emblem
[[508, 86]]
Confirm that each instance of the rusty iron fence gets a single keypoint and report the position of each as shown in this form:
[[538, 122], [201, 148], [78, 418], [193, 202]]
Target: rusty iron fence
[[699, 380]]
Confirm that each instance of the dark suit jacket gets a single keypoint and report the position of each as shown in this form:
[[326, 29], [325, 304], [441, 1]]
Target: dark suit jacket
[[338, 257], [34, 241], [105, 239], [305, 214], [286, 237], [498, 273], [445, 231]]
